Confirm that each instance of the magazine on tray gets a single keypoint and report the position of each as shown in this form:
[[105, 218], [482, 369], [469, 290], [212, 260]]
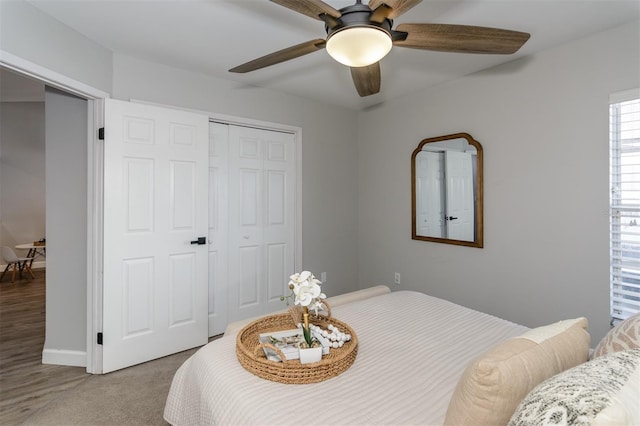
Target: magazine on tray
[[287, 341]]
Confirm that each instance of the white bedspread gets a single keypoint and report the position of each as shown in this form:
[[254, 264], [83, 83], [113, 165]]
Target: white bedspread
[[412, 350]]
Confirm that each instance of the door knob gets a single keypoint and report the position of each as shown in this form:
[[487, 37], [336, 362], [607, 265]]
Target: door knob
[[450, 218], [200, 241]]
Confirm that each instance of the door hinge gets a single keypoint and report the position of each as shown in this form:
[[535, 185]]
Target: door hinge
[[99, 338], [101, 133]]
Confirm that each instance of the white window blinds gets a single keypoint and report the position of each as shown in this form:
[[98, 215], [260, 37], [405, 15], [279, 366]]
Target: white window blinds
[[624, 141]]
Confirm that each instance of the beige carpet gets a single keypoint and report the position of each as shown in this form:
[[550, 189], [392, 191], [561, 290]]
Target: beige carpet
[[133, 396]]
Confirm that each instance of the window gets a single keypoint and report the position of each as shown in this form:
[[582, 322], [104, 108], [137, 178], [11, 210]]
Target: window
[[624, 165]]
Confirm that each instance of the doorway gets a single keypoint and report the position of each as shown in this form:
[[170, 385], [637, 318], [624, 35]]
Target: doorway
[[23, 217], [44, 194], [67, 315]]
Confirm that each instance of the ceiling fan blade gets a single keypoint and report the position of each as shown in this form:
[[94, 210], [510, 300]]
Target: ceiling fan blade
[[366, 79], [380, 13], [461, 38], [281, 56], [311, 8], [399, 6]]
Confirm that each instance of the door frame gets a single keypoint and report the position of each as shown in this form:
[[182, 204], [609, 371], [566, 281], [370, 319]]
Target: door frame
[[93, 97]]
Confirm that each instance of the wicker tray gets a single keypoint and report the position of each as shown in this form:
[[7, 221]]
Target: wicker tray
[[251, 356]]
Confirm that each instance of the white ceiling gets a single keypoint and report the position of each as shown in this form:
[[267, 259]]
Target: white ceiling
[[211, 36]]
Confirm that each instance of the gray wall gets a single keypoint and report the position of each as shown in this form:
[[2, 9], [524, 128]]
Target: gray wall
[[22, 170], [31, 35], [66, 173], [543, 124]]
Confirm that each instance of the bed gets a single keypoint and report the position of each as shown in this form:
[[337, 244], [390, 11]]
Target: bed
[[416, 355]]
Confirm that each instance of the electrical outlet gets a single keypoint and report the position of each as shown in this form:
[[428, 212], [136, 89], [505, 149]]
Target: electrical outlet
[[323, 277], [397, 278]]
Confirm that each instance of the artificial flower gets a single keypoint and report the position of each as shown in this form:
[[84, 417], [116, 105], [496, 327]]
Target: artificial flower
[[306, 292]]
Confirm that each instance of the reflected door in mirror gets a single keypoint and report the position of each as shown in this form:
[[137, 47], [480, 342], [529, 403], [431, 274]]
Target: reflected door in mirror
[[447, 191], [459, 195]]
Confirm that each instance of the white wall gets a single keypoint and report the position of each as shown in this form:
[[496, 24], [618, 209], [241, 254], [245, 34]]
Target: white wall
[[329, 178], [22, 168], [543, 124]]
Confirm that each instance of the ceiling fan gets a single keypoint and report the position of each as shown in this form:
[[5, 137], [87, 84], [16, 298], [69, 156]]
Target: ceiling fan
[[359, 36]]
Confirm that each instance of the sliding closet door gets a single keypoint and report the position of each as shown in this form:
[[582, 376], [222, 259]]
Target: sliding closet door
[[261, 219]]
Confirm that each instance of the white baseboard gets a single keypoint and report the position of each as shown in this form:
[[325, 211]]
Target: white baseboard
[[64, 357]]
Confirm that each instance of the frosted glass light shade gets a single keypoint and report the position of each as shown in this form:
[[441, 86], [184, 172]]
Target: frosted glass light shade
[[359, 46]]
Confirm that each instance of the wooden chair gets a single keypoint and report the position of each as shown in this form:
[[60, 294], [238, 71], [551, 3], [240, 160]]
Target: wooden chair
[[15, 263]]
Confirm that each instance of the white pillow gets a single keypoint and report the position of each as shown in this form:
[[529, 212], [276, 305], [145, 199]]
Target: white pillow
[[602, 392]]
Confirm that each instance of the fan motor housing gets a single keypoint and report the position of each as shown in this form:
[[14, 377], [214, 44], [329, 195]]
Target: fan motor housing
[[357, 15]]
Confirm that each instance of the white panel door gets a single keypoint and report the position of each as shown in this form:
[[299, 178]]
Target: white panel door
[[155, 204], [218, 226], [460, 197], [261, 219], [430, 194]]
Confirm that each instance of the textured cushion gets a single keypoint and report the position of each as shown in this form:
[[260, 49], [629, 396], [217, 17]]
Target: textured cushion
[[493, 385], [602, 392], [624, 336]]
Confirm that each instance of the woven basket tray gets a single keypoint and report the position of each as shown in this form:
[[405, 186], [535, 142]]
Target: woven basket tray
[[251, 355]]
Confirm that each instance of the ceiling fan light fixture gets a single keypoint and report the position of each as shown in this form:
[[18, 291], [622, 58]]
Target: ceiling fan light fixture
[[359, 46]]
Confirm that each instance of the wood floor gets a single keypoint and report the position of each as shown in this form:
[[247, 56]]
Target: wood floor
[[26, 385]]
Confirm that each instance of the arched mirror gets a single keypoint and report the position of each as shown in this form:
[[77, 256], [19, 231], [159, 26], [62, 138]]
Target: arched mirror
[[446, 190]]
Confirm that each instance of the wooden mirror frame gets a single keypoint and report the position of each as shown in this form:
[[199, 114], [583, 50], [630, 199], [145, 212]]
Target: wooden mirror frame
[[479, 203]]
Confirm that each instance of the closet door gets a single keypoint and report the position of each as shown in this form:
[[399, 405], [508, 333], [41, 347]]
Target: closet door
[[261, 220]]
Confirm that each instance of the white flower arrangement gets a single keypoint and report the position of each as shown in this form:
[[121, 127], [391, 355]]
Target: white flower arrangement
[[307, 293]]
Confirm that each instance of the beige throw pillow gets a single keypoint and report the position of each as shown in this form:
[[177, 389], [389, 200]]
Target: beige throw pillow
[[622, 337], [493, 385]]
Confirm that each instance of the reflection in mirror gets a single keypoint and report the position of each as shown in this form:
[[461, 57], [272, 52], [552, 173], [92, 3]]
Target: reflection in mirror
[[446, 195]]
